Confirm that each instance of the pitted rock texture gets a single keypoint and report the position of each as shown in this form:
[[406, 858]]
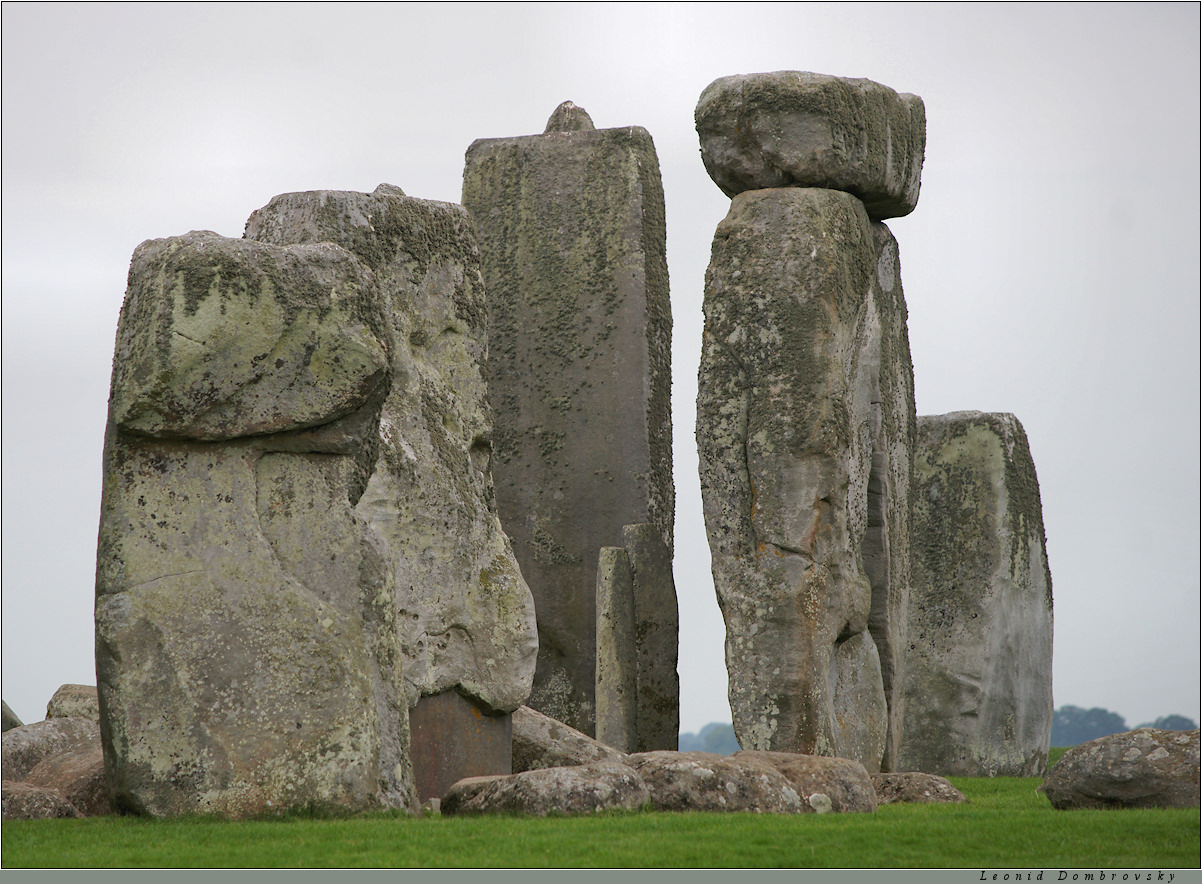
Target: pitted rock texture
[[540, 741], [798, 129], [1145, 767], [978, 680], [915, 788], [77, 776], [74, 701], [844, 785], [703, 781], [566, 791], [246, 647], [25, 801], [805, 413], [466, 616], [25, 747], [572, 243]]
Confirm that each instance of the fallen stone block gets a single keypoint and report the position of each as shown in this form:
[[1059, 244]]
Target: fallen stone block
[[843, 784], [74, 701], [1145, 767], [566, 791], [540, 741], [798, 129], [25, 747], [704, 781], [915, 788], [79, 777], [25, 801], [978, 676]]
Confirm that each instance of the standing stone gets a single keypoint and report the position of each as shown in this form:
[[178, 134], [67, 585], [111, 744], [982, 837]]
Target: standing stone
[[795, 128], [978, 678], [571, 227], [246, 647], [617, 664], [804, 416], [466, 616]]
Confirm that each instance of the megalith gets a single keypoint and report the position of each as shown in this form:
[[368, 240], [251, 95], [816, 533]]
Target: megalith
[[247, 653], [805, 429], [978, 679], [465, 616], [572, 243]]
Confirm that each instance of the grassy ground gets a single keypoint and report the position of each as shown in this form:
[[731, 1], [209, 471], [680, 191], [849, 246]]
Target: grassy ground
[[1007, 824]]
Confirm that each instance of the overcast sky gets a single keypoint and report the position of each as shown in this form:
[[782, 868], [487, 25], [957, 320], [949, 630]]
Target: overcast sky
[[1051, 267]]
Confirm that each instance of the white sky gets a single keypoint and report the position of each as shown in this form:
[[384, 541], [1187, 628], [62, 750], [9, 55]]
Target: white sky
[[1051, 267]]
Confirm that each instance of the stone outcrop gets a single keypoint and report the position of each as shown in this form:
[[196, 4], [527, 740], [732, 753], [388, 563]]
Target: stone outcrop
[[915, 788], [978, 678], [798, 129], [247, 652], [25, 747], [540, 741], [1145, 767], [466, 616], [74, 701], [805, 422], [703, 781], [572, 242], [838, 785], [566, 791], [54, 769], [10, 719]]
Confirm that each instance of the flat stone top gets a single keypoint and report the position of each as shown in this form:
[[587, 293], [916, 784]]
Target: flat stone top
[[801, 129]]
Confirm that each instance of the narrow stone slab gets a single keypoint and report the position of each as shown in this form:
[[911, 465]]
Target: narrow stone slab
[[804, 414], [572, 244], [246, 648], [466, 616], [978, 679], [798, 129], [656, 639], [617, 661]]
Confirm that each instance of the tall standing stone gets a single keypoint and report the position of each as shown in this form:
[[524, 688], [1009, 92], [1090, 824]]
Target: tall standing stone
[[246, 648], [571, 228], [978, 678], [806, 407], [466, 616]]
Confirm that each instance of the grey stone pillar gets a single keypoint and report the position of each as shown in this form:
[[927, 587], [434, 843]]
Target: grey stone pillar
[[978, 678], [571, 232], [617, 661]]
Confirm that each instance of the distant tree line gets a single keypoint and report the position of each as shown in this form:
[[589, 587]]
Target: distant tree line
[[1072, 724]]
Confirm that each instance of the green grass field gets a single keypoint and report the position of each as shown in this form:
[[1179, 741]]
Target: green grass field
[[1006, 824]]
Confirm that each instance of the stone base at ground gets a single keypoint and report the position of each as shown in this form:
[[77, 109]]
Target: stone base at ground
[[915, 788], [567, 791], [844, 784], [708, 782], [1145, 767]]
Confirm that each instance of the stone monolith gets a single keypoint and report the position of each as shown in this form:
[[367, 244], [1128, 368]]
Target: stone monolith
[[571, 230], [978, 679], [804, 426], [247, 655], [795, 128]]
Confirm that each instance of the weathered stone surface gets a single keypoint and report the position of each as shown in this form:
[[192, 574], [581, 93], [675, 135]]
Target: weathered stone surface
[[704, 781], [571, 227], [246, 647], [74, 701], [656, 638], [617, 662], [978, 680], [569, 117], [25, 747], [453, 737], [805, 413], [10, 719], [844, 785], [1145, 767], [794, 128], [466, 616], [915, 788], [221, 338], [78, 776], [25, 801], [540, 741], [567, 791]]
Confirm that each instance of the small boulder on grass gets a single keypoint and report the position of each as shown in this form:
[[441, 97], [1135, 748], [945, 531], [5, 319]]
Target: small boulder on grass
[[915, 788], [567, 791], [1145, 767], [707, 781], [843, 784]]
